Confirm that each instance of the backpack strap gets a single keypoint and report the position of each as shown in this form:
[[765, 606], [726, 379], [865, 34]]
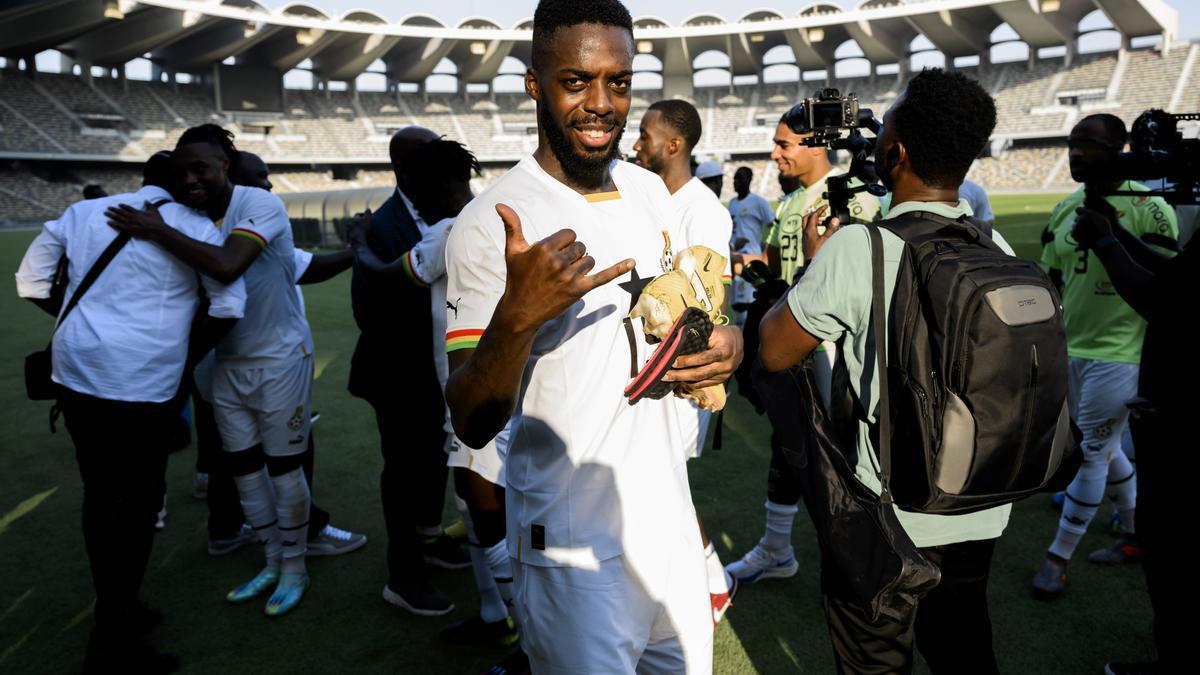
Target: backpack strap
[[878, 328], [935, 224]]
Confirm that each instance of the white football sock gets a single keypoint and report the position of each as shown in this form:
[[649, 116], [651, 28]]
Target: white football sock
[[1084, 495], [1122, 489], [718, 580], [491, 605], [291, 505], [778, 536], [501, 566], [258, 505]]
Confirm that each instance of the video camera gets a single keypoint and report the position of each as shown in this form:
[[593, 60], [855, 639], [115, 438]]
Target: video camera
[[1158, 151], [834, 122]]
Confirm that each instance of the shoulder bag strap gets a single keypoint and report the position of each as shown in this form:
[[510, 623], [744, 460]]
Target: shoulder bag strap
[[92, 273], [879, 329]]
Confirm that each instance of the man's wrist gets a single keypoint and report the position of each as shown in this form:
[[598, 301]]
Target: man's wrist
[[507, 322], [1105, 242], [158, 232]]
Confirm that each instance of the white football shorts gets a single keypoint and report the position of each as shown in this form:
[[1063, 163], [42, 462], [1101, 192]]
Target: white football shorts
[[269, 405], [488, 461], [646, 614]]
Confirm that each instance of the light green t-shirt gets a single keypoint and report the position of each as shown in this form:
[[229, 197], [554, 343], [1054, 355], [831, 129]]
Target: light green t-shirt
[[772, 235], [1099, 324], [786, 233], [833, 300]]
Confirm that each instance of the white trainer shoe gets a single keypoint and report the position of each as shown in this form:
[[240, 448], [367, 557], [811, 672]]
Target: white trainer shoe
[[759, 563], [335, 541]]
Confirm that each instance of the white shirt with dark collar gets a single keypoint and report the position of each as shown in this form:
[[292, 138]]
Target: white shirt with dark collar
[[127, 338]]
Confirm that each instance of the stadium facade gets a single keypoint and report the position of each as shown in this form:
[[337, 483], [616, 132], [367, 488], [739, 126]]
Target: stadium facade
[[225, 61]]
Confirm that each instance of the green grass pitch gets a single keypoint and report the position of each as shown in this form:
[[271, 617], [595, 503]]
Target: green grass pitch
[[344, 627]]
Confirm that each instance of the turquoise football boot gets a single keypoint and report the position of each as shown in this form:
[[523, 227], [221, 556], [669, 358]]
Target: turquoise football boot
[[287, 594], [261, 583]]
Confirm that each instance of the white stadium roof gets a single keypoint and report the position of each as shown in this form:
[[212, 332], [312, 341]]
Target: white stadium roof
[[190, 36]]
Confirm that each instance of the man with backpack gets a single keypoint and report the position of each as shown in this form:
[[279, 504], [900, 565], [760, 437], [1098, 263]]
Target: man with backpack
[[931, 135]]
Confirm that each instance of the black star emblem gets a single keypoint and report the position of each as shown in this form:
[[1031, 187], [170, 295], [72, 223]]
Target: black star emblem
[[634, 287]]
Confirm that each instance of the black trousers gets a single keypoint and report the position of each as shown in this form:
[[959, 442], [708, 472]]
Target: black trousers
[[225, 516], [951, 625], [122, 456], [783, 481], [1166, 474], [413, 482]]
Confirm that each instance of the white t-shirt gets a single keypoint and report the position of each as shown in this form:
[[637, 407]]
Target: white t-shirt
[[751, 216], [703, 221], [589, 476], [274, 326], [127, 338]]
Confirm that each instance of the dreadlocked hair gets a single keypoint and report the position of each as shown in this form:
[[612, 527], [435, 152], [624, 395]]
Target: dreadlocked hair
[[213, 135], [432, 165]]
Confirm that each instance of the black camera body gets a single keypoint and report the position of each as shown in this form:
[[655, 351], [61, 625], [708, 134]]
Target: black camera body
[[834, 121], [824, 115], [1158, 151]]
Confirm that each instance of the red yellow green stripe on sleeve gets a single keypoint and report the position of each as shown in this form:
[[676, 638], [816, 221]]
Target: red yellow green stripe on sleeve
[[726, 279], [406, 263], [467, 338], [250, 234]]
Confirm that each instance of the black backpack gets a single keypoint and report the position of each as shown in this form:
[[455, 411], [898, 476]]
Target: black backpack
[[975, 397]]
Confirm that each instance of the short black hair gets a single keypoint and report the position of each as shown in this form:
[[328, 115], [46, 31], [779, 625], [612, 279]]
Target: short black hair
[[552, 15], [158, 170], [213, 135], [682, 117], [1114, 127], [744, 170], [944, 123], [93, 191], [433, 164]]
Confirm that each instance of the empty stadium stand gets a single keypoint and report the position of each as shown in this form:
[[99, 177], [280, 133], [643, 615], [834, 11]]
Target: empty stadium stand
[[49, 117]]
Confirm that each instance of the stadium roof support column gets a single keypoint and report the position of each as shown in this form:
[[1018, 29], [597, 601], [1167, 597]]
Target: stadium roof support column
[[141, 31], [349, 54], [414, 59], [677, 71], [1144, 17], [957, 34], [32, 27]]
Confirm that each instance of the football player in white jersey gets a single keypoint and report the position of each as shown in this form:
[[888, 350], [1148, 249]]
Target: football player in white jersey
[[263, 377], [609, 574], [669, 131], [323, 537]]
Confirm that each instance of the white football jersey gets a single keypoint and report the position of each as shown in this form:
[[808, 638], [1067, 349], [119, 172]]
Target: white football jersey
[[703, 221], [274, 326], [589, 475]]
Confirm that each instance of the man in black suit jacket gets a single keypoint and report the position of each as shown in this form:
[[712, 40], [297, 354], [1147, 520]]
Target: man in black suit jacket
[[393, 369]]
